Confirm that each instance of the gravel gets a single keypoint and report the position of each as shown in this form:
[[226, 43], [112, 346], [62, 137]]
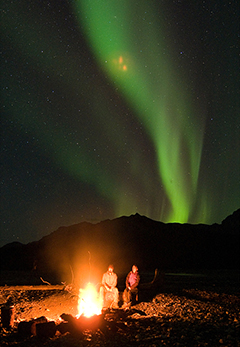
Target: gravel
[[180, 314]]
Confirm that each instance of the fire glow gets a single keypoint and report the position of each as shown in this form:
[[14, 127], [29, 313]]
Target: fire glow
[[89, 302]]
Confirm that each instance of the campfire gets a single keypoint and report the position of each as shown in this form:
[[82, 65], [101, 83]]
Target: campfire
[[88, 318], [89, 302]]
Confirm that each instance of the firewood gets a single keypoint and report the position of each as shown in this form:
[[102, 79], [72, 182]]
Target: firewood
[[45, 281], [92, 323]]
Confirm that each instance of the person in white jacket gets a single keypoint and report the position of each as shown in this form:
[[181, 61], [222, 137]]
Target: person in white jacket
[[108, 289]]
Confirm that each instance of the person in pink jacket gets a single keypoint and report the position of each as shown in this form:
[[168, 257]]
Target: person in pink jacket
[[131, 290]]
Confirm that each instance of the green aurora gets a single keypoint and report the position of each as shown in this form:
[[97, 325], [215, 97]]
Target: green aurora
[[115, 108], [146, 78]]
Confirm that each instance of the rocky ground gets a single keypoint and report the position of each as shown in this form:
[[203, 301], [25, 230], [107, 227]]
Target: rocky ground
[[188, 310]]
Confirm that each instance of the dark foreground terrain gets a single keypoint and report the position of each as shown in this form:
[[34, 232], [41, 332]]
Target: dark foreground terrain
[[185, 310]]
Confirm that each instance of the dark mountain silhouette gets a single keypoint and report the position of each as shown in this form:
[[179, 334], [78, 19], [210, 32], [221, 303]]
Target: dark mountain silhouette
[[85, 249]]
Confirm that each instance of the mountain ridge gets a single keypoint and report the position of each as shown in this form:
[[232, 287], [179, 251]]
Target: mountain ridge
[[126, 240]]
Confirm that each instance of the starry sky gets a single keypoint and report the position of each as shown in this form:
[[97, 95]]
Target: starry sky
[[112, 108]]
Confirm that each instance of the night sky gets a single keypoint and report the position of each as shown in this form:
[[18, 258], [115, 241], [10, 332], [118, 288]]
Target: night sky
[[112, 108]]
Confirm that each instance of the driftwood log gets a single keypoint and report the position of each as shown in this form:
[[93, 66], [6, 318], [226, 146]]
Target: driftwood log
[[154, 281]]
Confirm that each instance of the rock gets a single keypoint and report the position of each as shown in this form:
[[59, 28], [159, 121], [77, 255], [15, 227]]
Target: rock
[[47, 329], [28, 328], [7, 316]]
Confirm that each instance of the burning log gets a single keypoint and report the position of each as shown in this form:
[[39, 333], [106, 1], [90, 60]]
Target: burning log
[[93, 323], [82, 323]]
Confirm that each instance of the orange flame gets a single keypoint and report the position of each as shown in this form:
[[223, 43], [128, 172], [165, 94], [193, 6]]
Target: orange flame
[[89, 302]]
